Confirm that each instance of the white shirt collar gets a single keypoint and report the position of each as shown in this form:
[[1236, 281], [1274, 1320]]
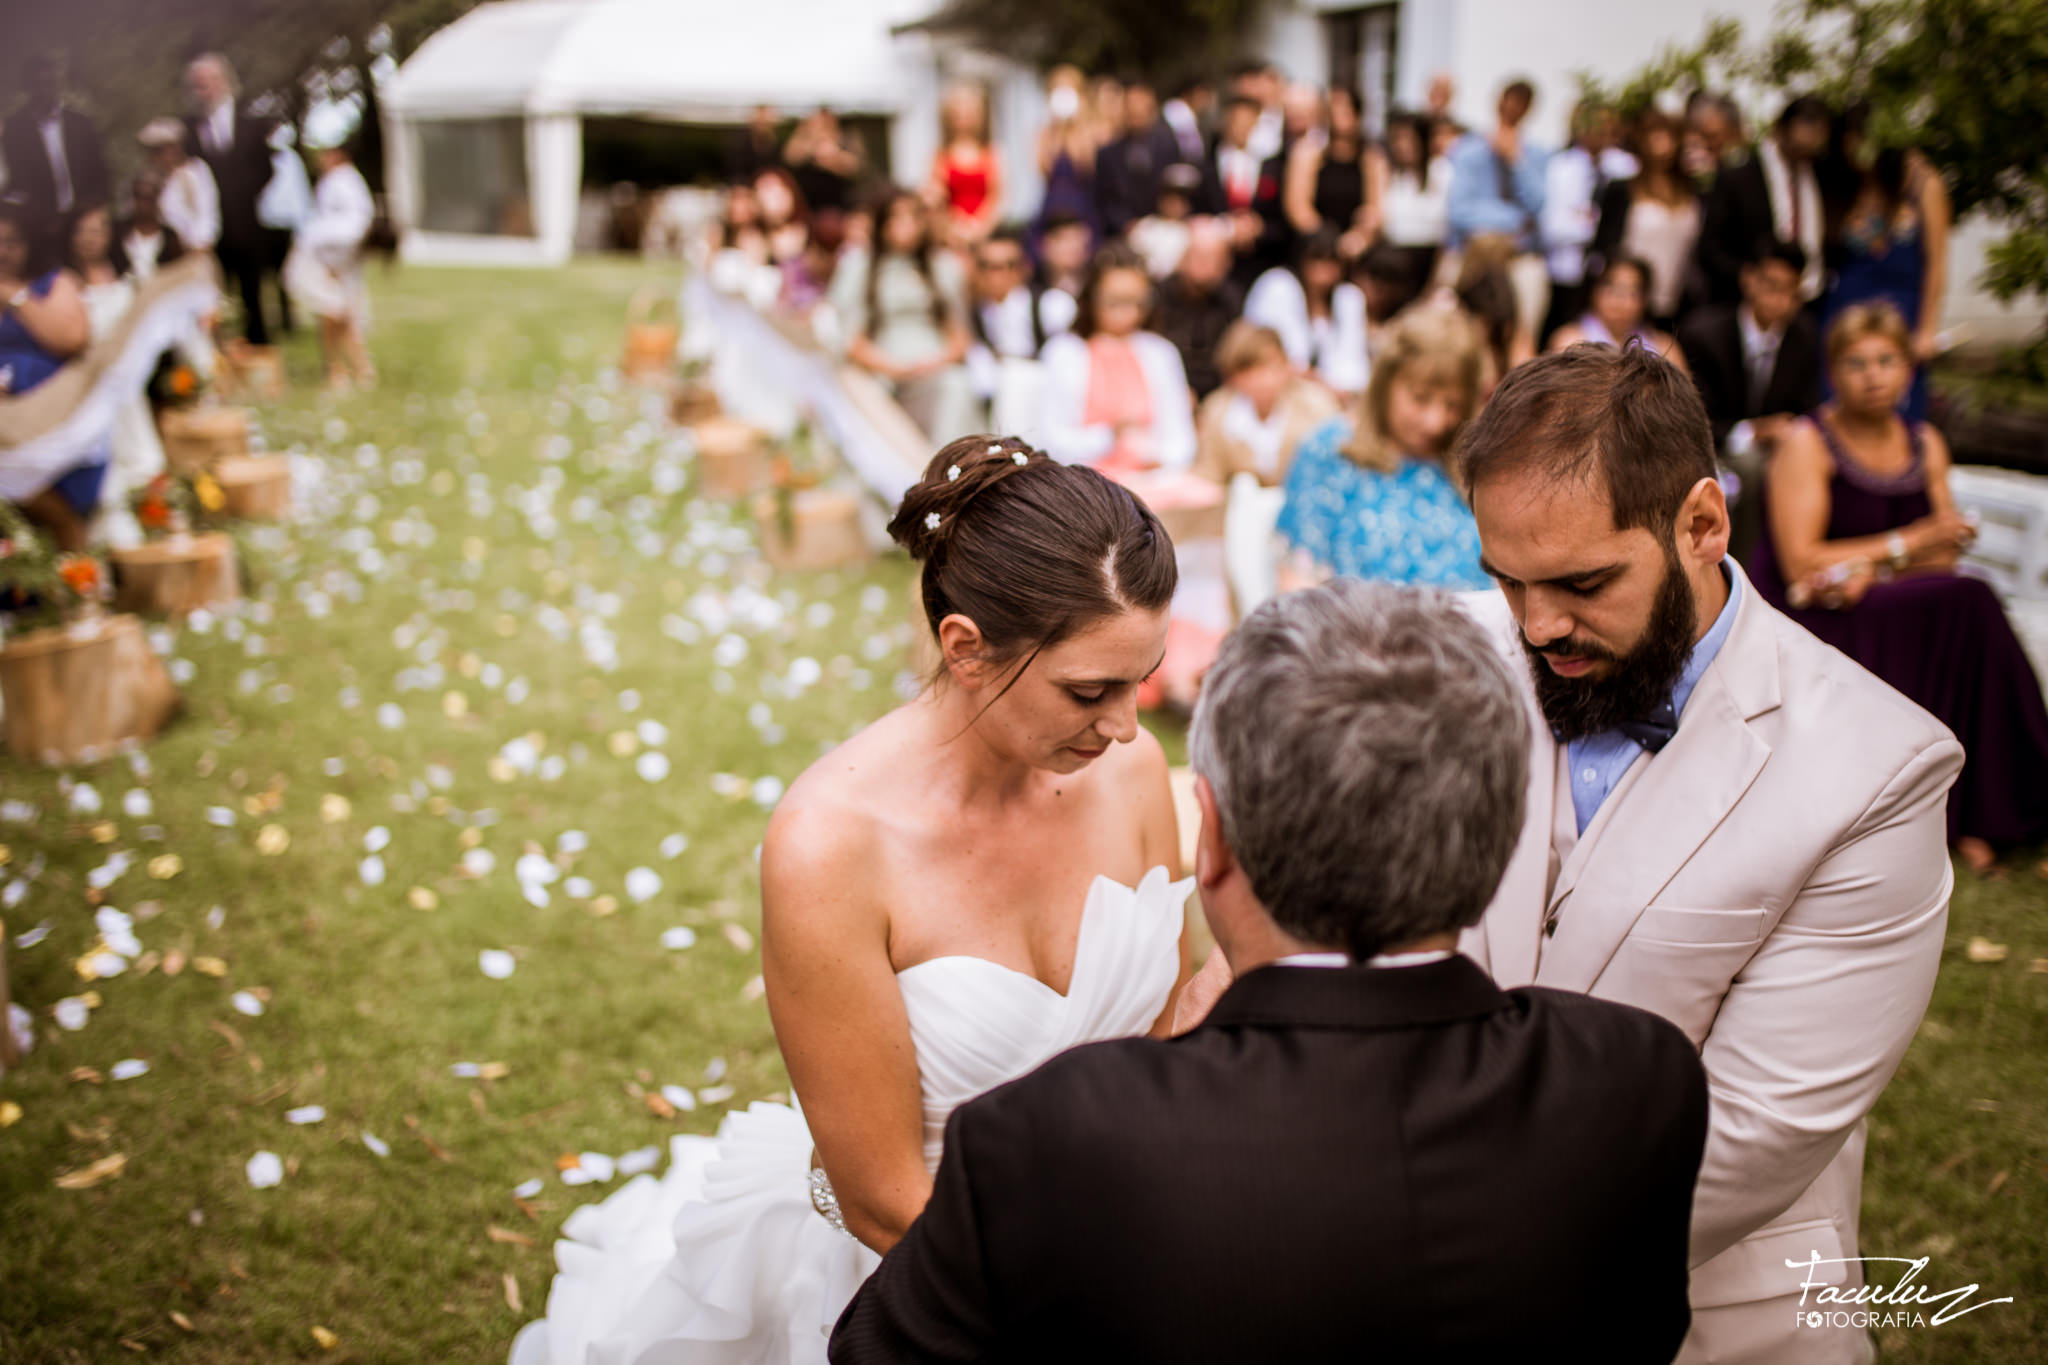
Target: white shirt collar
[[1753, 336], [1377, 960]]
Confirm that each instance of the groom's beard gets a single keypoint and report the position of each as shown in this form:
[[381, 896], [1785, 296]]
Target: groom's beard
[[1638, 681]]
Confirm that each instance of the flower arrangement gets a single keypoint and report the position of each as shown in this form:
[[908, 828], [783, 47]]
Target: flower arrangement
[[793, 470], [176, 383], [175, 503], [40, 585]]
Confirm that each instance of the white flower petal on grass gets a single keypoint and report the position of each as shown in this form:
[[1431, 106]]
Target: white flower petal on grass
[[265, 1170], [371, 870], [536, 895], [220, 816], [578, 888], [106, 964], [376, 839], [304, 1114], [479, 862], [128, 1069], [136, 804], [717, 1094], [643, 883], [527, 1189], [767, 791], [679, 938], [71, 1013], [391, 715], [806, 672], [535, 869], [638, 1160], [496, 963], [576, 1175], [652, 766], [652, 733], [571, 841], [714, 1070], [85, 799], [597, 1166], [30, 938], [376, 1144], [246, 1003], [679, 1096], [674, 845]]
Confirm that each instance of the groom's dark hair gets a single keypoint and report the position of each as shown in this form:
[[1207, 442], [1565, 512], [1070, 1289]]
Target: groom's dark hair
[[1368, 750], [1623, 420]]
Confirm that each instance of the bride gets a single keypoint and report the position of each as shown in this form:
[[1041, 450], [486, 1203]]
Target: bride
[[975, 882]]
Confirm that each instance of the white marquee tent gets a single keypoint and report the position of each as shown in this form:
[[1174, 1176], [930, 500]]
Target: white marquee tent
[[484, 122]]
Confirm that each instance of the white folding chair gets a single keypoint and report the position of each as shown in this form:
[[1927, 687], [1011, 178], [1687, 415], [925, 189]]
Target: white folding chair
[[1248, 559]]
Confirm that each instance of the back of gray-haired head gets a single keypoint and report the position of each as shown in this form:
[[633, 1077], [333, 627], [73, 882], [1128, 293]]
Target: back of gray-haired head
[[1368, 750]]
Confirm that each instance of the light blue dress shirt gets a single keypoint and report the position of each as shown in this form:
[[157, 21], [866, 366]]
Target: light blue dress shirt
[[1599, 761]]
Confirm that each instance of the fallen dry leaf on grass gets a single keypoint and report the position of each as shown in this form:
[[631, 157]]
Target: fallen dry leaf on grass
[[85, 1177], [512, 1292], [210, 966], [1984, 950], [10, 1113], [1998, 1182], [507, 1235], [328, 1340], [2039, 966], [182, 1321]]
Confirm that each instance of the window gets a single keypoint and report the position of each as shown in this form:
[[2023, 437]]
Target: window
[[1364, 44], [473, 177]]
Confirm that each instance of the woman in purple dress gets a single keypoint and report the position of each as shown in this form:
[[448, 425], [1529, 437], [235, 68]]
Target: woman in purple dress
[[1864, 539]]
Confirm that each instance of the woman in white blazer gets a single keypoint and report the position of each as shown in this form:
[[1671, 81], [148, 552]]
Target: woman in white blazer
[[1319, 315], [1116, 396]]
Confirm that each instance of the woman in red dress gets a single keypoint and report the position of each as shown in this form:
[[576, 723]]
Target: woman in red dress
[[967, 175]]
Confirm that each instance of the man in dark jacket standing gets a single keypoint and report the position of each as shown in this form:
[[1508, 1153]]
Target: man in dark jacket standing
[[235, 145], [1367, 1150], [55, 163]]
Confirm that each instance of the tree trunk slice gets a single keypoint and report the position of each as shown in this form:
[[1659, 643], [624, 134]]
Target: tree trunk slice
[[257, 487], [732, 457], [650, 350], [197, 438], [176, 575], [824, 531], [79, 693]]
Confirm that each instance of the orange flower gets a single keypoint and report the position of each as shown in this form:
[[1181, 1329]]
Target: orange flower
[[80, 574], [183, 382], [153, 513]]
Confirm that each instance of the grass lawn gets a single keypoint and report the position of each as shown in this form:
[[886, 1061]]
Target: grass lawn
[[502, 629]]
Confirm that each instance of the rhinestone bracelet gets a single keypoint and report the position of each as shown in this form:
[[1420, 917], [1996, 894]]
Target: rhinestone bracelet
[[825, 1201]]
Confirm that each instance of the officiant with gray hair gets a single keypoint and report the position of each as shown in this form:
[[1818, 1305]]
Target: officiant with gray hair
[[1366, 1147]]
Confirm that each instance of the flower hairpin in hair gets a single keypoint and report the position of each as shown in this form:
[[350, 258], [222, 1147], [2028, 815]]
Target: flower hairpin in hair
[[931, 521], [995, 450], [1021, 459], [953, 474]]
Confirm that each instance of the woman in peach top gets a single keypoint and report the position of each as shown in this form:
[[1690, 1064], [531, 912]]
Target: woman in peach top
[[1116, 395]]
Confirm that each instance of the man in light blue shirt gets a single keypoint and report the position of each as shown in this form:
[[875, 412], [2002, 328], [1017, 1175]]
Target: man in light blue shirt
[[1598, 761], [1497, 179]]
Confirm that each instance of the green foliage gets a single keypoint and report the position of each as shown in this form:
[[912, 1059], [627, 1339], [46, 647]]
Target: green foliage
[[1964, 81], [1155, 39]]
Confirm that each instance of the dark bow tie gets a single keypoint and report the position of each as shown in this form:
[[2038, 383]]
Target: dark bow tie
[[1655, 730]]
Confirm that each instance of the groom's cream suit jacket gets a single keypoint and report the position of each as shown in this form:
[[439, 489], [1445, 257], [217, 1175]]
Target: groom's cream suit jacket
[[1775, 882]]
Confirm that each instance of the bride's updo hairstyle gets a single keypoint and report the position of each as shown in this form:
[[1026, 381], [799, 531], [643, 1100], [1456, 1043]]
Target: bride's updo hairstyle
[[1031, 550]]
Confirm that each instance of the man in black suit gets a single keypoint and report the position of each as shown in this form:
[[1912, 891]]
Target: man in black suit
[[235, 145], [1757, 365], [55, 162], [1367, 1150], [1198, 302], [1244, 188], [1127, 171], [1774, 193]]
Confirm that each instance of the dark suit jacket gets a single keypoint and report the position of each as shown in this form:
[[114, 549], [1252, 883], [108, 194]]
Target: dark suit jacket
[[1195, 323], [1340, 1164], [1735, 213], [1712, 338], [30, 175], [1127, 173], [240, 172]]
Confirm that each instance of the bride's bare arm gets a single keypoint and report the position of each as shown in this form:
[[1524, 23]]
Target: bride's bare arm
[[1159, 833], [839, 1017]]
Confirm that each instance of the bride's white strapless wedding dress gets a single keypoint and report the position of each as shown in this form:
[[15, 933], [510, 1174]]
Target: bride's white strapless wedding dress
[[724, 1260]]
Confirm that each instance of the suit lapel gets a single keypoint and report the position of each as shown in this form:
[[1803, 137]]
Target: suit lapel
[[1514, 931], [1669, 808]]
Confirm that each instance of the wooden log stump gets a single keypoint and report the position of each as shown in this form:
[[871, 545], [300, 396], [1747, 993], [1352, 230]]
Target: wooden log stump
[[257, 487], [196, 438], [254, 371], [732, 457], [78, 693], [650, 352], [822, 530], [176, 575], [693, 404]]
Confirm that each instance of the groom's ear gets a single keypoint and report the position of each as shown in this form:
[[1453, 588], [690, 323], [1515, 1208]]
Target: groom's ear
[[1214, 862]]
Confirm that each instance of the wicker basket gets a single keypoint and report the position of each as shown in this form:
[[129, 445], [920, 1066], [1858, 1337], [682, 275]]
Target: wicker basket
[[176, 575], [257, 487], [650, 345], [257, 371], [79, 693]]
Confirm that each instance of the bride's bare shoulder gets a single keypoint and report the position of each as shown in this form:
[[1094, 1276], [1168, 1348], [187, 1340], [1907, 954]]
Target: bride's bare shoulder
[[830, 826]]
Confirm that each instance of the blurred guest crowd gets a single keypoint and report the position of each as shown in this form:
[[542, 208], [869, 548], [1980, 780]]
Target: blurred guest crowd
[[1239, 297]]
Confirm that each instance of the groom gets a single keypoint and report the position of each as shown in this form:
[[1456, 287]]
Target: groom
[[1367, 1147]]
